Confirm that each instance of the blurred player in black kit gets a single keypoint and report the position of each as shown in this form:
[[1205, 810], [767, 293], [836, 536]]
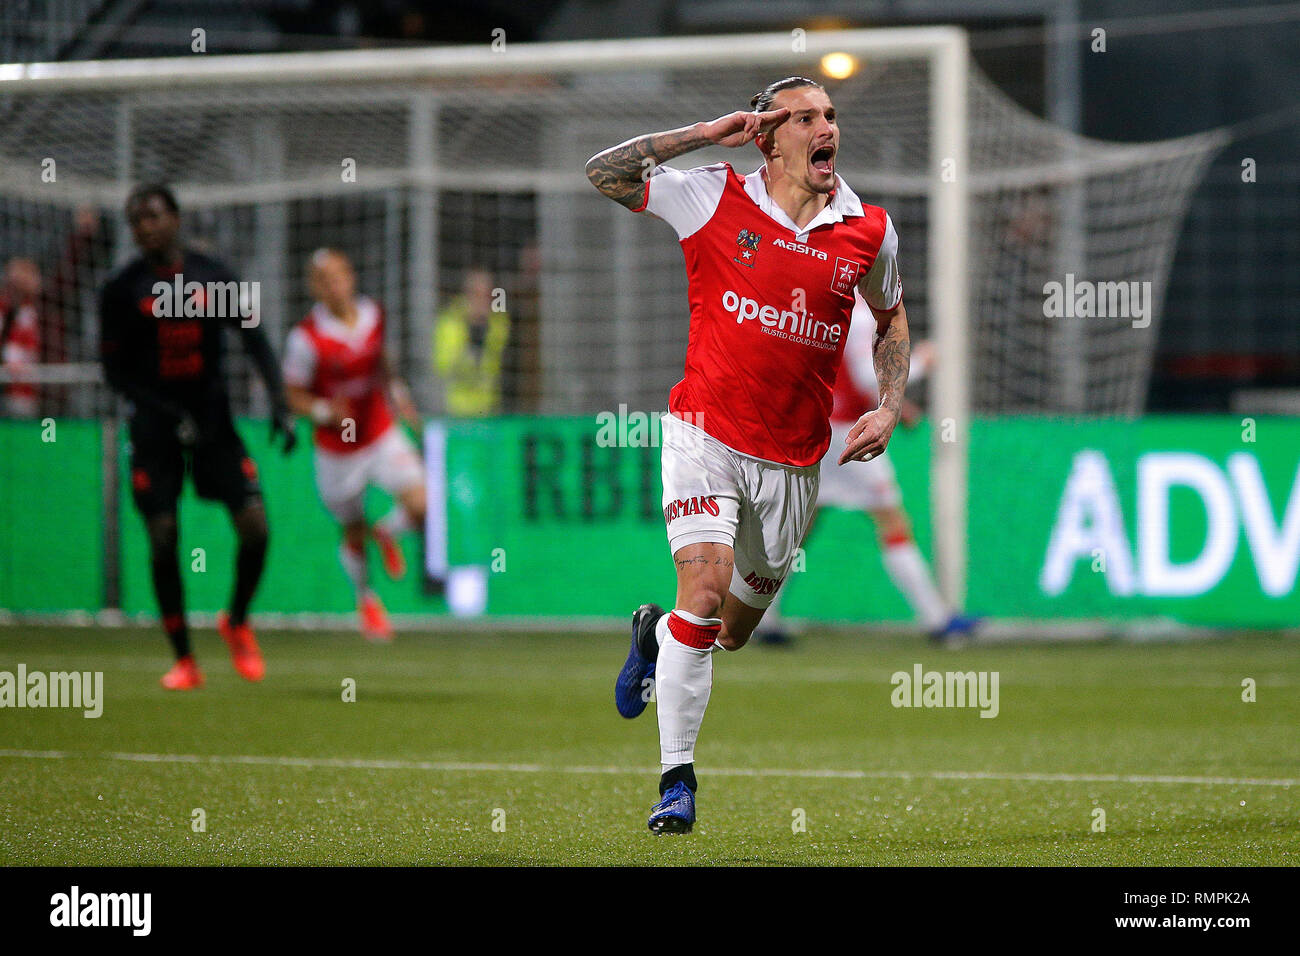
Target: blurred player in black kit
[[164, 354]]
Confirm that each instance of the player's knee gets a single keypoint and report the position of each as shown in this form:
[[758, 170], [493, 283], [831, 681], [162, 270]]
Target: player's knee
[[354, 533], [704, 601], [251, 526], [738, 627], [414, 503], [163, 535], [730, 640]]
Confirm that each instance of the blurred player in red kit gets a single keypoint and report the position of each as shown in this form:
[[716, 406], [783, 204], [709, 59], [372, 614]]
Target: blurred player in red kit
[[338, 375], [871, 486], [20, 333]]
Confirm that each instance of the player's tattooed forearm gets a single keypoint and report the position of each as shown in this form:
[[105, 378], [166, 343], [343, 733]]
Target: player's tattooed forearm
[[621, 172], [893, 355]]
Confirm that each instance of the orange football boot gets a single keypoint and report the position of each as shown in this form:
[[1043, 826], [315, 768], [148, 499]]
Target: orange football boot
[[375, 625], [394, 560], [184, 675], [244, 652]]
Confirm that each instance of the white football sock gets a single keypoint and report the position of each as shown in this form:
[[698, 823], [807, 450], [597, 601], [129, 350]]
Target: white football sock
[[661, 632], [910, 574], [396, 521], [661, 629], [354, 564], [683, 680]]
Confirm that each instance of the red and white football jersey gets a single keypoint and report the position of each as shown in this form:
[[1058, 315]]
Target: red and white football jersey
[[856, 389], [332, 360], [771, 305]]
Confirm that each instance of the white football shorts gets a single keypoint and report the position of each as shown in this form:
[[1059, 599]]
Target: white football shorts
[[759, 508], [391, 462], [860, 485]]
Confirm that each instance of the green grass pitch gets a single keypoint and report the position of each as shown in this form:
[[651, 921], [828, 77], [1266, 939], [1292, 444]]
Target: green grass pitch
[[506, 749]]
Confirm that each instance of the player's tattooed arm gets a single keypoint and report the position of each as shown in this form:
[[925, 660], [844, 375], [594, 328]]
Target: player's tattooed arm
[[893, 356], [870, 434], [621, 172]]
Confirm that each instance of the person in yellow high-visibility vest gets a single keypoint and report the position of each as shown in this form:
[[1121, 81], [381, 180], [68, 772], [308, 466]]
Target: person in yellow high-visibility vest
[[469, 341]]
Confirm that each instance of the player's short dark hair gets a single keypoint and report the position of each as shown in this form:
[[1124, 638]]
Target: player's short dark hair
[[762, 102], [148, 190]]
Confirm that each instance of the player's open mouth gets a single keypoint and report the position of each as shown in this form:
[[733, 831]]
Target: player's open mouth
[[823, 159]]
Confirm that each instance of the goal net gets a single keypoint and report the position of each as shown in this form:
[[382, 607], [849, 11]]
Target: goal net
[[425, 166]]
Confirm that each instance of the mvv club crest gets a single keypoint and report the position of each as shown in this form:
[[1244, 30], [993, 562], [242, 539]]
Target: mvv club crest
[[748, 251]]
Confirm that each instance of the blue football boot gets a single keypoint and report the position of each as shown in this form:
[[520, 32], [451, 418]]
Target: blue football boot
[[958, 632], [675, 813], [631, 692]]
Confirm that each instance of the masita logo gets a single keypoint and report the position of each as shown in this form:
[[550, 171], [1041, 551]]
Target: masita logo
[[700, 504], [75, 908], [802, 327], [800, 248]]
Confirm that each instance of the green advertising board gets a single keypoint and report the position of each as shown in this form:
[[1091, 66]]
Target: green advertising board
[[1192, 518], [1196, 519], [51, 499]]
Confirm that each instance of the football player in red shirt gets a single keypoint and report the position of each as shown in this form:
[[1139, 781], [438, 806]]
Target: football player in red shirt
[[337, 374], [773, 259]]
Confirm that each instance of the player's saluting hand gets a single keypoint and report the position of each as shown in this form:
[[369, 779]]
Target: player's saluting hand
[[741, 127]]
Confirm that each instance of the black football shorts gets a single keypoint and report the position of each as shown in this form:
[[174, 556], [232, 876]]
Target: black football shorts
[[218, 464]]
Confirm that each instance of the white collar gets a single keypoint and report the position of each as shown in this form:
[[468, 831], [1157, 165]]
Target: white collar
[[331, 325], [844, 202]]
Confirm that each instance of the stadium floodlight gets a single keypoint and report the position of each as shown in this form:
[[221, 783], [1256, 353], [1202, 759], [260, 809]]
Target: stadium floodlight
[[422, 162]]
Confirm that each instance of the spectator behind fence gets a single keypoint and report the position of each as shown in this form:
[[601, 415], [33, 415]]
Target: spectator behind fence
[[42, 320], [469, 341], [20, 335]]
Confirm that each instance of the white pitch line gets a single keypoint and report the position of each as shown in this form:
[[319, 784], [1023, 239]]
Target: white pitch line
[[471, 767]]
